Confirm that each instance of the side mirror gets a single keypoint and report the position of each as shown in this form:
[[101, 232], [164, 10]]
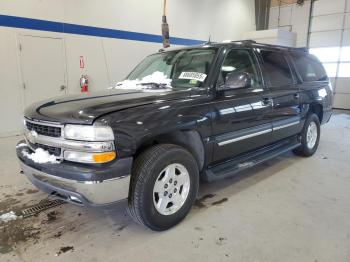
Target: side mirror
[[235, 80]]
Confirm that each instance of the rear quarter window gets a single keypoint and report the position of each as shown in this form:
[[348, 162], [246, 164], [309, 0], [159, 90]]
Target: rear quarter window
[[309, 68], [276, 68]]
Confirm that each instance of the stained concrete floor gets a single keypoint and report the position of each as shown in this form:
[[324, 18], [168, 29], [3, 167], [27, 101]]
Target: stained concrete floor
[[288, 209]]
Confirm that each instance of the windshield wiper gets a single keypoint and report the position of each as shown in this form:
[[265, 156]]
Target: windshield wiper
[[155, 85]]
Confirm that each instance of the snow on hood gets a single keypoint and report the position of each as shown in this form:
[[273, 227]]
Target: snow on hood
[[41, 156], [155, 78], [8, 217]]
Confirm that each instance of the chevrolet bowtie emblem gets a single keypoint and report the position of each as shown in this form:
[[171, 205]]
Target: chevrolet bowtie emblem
[[31, 136]]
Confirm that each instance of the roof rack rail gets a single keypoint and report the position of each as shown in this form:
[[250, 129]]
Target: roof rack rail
[[303, 49], [248, 41]]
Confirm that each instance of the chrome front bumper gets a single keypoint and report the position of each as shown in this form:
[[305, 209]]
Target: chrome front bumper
[[88, 193]]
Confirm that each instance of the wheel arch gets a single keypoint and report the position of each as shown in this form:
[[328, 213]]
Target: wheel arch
[[317, 109], [189, 139]]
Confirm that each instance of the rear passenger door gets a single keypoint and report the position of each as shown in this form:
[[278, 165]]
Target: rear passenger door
[[284, 91]]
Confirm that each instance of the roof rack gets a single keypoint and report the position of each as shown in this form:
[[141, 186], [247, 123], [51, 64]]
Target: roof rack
[[302, 49], [248, 41]]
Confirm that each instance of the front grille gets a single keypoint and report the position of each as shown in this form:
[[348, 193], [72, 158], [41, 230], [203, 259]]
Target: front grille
[[44, 130], [52, 150]]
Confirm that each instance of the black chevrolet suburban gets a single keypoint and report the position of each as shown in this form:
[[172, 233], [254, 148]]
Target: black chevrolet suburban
[[182, 115]]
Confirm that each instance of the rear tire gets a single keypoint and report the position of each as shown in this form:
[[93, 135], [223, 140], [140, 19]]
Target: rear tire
[[164, 186], [310, 136]]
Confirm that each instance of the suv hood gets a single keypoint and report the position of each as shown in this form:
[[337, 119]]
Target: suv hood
[[85, 108]]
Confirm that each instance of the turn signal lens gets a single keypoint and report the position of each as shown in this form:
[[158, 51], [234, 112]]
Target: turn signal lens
[[103, 157], [91, 158]]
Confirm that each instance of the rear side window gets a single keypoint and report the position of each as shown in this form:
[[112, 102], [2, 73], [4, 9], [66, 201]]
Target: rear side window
[[309, 68], [276, 68]]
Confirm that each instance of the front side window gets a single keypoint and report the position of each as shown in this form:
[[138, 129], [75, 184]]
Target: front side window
[[276, 68], [187, 68], [239, 61]]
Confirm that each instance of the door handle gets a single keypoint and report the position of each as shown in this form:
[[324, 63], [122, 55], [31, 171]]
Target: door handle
[[296, 96], [267, 101], [62, 87]]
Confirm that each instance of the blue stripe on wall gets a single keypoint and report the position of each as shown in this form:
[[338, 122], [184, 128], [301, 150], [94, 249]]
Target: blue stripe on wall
[[43, 25]]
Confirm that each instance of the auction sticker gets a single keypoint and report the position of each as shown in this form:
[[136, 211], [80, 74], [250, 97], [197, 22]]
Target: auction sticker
[[193, 75]]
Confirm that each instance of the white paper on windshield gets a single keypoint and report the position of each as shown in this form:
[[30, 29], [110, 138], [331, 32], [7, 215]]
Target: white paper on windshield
[[193, 75]]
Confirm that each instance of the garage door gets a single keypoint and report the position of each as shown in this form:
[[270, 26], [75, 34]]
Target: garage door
[[330, 42], [42, 68]]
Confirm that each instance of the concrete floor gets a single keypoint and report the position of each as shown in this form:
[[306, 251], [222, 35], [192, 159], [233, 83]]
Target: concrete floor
[[288, 209]]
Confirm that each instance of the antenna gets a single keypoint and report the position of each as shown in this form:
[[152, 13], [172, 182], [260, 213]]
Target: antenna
[[209, 41]]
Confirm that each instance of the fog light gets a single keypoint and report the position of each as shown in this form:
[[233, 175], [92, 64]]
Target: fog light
[[91, 158]]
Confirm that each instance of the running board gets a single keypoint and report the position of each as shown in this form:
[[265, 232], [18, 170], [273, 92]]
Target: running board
[[240, 163]]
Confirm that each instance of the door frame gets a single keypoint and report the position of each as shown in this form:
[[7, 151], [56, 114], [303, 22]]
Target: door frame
[[250, 132], [19, 62]]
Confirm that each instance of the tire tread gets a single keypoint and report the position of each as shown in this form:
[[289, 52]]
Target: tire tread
[[144, 162]]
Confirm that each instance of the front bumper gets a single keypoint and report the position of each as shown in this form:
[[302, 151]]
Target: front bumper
[[80, 184]]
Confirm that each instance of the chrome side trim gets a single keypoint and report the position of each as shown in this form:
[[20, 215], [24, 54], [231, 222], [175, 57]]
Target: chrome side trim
[[286, 125], [244, 137]]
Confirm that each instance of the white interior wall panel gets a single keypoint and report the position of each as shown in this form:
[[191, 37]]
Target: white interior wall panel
[[347, 21], [94, 61], [327, 22], [325, 39], [346, 37], [109, 60], [343, 85], [330, 29], [291, 17], [273, 36], [273, 17], [300, 16], [116, 59], [342, 101], [330, 23], [285, 15], [325, 7], [11, 97]]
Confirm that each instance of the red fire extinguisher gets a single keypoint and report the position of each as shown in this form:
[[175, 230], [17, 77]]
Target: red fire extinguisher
[[84, 83]]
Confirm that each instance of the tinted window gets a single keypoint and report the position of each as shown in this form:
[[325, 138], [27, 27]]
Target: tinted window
[[239, 61], [309, 68], [276, 68]]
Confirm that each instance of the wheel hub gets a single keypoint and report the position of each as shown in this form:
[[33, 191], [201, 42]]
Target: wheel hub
[[311, 135], [171, 189]]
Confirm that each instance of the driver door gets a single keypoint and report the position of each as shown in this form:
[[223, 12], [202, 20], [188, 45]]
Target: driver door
[[241, 121]]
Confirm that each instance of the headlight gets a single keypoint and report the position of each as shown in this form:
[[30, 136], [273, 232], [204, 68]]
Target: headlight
[[92, 158], [88, 133]]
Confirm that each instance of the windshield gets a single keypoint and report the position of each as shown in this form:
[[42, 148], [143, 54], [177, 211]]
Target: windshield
[[181, 69]]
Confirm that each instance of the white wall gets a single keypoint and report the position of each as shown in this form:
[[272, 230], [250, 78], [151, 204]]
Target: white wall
[[330, 27], [294, 18], [108, 60], [273, 37]]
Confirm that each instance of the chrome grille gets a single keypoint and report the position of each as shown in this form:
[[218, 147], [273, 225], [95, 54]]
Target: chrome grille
[[52, 150], [45, 130]]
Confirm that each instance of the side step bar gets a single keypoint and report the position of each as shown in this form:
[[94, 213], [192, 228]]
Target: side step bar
[[240, 163]]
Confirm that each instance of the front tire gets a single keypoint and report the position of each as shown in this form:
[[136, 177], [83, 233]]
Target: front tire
[[310, 136], [164, 185]]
